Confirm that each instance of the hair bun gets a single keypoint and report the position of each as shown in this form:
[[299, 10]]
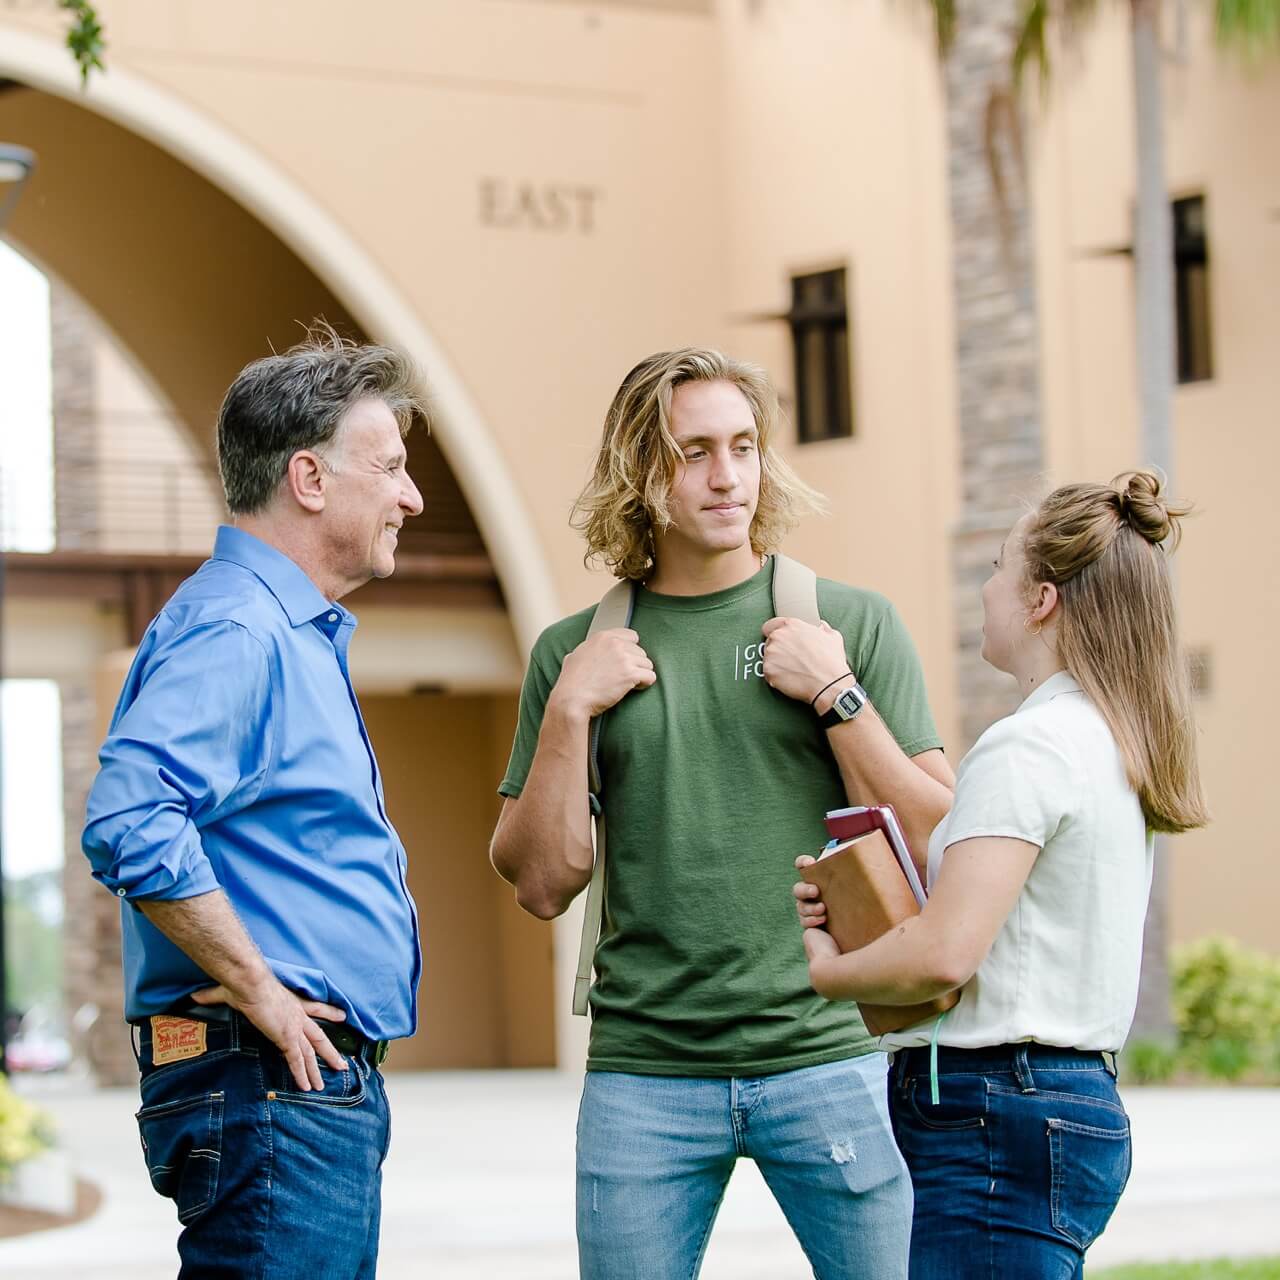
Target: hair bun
[[1145, 510]]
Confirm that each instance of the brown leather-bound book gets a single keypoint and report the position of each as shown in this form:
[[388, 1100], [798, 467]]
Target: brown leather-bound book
[[866, 894]]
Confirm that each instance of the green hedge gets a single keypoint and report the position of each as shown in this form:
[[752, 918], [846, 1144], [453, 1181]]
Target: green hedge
[[1226, 1008]]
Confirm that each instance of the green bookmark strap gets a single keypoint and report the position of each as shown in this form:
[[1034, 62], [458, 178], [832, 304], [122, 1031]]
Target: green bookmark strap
[[933, 1056]]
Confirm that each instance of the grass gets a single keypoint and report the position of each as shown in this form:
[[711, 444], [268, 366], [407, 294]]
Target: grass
[[1219, 1269]]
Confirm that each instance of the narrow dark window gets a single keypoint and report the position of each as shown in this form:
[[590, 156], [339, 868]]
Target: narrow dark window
[[1191, 290], [819, 319]]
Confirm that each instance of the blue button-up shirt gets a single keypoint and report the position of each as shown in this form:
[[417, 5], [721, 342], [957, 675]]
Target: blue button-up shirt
[[238, 760]]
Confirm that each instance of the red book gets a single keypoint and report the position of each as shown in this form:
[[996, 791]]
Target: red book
[[848, 824]]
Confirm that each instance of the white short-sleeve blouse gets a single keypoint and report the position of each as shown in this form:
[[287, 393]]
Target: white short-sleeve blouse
[[1063, 969]]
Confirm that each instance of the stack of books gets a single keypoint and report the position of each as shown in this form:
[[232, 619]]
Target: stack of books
[[869, 884]]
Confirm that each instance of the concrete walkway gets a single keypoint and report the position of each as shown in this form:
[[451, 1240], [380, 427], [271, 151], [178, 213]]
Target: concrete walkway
[[480, 1184]]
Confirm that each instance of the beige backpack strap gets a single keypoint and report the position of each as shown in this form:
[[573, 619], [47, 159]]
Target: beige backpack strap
[[795, 590], [613, 611]]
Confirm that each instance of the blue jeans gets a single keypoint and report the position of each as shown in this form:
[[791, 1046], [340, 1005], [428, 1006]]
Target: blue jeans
[[268, 1182], [655, 1154], [1018, 1167]]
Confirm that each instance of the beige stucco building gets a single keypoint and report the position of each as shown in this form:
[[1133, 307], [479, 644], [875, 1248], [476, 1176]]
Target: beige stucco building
[[528, 195]]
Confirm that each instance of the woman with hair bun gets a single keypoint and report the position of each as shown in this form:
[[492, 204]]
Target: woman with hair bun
[[1006, 1107]]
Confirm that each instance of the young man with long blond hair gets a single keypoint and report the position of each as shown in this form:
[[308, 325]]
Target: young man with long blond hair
[[721, 748]]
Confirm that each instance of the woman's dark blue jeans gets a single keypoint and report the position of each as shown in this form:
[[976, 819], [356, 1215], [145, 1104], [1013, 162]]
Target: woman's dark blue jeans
[[1019, 1165]]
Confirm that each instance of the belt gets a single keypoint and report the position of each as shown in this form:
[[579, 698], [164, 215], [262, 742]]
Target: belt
[[998, 1057], [349, 1040], [343, 1038]]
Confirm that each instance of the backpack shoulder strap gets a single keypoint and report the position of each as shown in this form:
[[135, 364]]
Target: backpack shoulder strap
[[614, 610], [795, 590]]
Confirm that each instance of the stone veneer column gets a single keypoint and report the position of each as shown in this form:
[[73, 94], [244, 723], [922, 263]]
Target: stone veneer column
[[997, 343], [75, 443], [91, 925], [92, 973]]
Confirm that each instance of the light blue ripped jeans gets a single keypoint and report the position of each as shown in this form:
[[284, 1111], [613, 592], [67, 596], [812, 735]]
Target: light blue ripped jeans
[[655, 1154]]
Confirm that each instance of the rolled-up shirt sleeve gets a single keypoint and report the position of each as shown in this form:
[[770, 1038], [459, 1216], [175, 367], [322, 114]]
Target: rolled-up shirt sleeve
[[189, 743]]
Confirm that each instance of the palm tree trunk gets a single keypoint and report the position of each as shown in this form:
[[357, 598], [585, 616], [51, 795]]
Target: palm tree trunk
[[997, 335], [1153, 255]]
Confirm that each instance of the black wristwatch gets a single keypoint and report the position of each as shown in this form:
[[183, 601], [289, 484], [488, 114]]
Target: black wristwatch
[[849, 702]]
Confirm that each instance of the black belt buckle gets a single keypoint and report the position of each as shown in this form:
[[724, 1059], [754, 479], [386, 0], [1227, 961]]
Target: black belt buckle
[[348, 1040], [342, 1038]]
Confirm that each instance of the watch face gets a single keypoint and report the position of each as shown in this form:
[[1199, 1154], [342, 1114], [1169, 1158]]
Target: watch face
[[849, 703]]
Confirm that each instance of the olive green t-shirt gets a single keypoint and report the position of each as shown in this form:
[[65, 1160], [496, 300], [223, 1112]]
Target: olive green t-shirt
[[712, 783]]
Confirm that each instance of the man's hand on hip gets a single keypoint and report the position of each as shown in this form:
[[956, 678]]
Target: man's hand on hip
[[287, 1021], [208, 930], [601, 671]]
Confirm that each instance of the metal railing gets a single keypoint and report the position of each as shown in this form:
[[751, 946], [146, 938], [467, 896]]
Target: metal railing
[[136, 505]]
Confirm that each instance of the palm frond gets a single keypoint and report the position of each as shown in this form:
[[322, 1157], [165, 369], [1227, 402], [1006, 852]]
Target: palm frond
[[1031, 44], [944, 23], [1036, 24], [1252, 26]]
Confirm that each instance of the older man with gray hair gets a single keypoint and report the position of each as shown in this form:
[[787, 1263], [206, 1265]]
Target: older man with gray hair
[[270, 942]]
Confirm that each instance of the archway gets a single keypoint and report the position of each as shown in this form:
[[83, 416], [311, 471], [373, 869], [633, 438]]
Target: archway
[[352, 285]]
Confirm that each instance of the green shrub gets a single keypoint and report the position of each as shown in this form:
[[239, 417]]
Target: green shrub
[[1226, 1005], [1224, 990], [1148, 1062], [24, 1130], [1227, 1059]]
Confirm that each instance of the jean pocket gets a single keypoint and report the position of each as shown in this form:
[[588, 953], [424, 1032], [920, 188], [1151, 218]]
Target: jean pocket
[[961, 1103], [1089, 1167], [344, 1088], [182, 1145]]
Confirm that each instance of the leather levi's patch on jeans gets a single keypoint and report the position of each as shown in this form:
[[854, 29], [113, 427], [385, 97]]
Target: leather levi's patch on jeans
[[176, 1039]]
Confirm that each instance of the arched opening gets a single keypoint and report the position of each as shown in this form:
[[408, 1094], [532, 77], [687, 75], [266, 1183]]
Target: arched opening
[[192, 282], [337, 259]]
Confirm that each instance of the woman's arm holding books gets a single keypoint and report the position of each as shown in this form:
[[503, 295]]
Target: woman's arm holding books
[[936, 951]]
